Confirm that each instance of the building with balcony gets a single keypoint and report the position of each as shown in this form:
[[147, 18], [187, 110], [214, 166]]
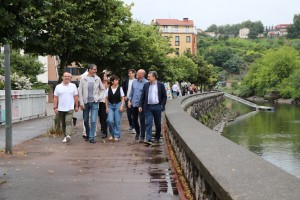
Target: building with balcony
[[182, 34]]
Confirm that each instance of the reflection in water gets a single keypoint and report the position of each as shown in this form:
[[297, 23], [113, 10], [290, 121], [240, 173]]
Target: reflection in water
[[275, 136]]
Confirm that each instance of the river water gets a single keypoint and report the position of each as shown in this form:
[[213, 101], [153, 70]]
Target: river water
[[275, 136]]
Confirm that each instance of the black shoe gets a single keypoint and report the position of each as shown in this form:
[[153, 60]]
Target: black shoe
[[148, 142], [92, 141], [86, 139], [83, 136]]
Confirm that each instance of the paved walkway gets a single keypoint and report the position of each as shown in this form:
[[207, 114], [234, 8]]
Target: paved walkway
[[45, 168]]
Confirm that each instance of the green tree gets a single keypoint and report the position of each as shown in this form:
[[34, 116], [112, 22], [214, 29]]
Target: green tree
[[13, 19], [272, 69], [24, 65], [212, 28], [234, 64], [76, 31], [181, 68], [294, 30], [140, 46]]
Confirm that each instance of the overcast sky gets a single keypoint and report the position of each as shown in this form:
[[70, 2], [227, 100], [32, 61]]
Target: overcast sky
[[219, 12]]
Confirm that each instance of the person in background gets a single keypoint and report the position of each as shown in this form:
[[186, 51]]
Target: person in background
[[175, 90], [102, 107], [127, 84], [65, 99], [133, 103], [153, 101], [89, 89], [114, 106]]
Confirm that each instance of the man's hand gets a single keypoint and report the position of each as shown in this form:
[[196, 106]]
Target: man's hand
[[129, 104], [125, 98], [82, 107], [76, 109], [140, 109]]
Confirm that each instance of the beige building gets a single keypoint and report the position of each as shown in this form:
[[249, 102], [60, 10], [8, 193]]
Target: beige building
[[244, 32], [181, 32]]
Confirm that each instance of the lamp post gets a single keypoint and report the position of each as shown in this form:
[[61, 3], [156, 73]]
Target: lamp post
[[8, 118]]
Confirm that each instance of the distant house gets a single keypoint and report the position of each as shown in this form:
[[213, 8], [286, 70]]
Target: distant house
[[211, 34], [244, 32], [282, 29], [181, 32]]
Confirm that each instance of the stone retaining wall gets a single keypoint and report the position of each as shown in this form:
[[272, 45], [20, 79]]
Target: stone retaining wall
[[217, 168]]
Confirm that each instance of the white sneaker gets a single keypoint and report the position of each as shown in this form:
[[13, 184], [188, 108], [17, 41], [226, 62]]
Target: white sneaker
[[116, 139], [68, 138], [64, 140], [133, 131]]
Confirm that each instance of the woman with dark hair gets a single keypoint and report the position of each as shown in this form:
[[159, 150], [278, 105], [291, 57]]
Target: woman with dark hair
[[114, 106]]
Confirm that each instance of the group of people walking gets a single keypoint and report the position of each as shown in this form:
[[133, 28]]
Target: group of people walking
[[99, 96]]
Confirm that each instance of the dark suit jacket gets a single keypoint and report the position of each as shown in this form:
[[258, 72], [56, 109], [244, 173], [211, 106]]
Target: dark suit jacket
[[162, 95], [125, 86]]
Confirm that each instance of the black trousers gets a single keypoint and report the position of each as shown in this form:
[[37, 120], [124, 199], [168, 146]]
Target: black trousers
[[103, 117], [138, 119]]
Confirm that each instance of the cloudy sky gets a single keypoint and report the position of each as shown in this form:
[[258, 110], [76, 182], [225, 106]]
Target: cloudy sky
[[219, 12]]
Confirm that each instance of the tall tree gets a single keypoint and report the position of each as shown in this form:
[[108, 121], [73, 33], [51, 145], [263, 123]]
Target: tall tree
[[76, 30], [294, 30]]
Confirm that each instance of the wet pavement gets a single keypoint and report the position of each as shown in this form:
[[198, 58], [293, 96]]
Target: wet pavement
[[45, 168]]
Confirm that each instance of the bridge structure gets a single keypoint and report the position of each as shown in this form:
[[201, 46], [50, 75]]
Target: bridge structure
[[248, 103]]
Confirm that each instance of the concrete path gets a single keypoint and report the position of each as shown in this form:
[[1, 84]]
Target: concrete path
[[45, 168]]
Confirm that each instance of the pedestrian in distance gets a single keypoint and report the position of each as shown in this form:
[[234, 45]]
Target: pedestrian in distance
[[127, 85], [89, 89], [65, 102], [114, 107], [134, 102], [153, 101]]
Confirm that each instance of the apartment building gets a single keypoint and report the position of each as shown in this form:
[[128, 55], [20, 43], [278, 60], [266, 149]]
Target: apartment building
[[244, 32], [181, 32]]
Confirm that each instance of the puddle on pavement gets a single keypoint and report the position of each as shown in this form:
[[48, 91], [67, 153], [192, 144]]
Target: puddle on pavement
[[164, 179], [156, 160]]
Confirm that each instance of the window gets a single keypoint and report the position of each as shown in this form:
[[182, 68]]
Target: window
[[188, 39], [165, 28], [176, 28], [177, 42], [187, 28], [177, 51]]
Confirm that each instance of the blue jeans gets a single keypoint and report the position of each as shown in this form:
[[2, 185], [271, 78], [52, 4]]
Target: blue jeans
[[153, 111], [90, 109], [114, 119], [129, 114]]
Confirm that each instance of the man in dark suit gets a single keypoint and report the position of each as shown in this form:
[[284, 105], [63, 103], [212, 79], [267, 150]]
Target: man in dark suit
[[127, 84], [153, 101]]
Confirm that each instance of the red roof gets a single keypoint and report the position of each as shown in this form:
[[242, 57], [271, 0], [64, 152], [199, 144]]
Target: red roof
[[174, 22], [279, 26]]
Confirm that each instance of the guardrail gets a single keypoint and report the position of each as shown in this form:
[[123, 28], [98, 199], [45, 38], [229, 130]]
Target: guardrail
[[25, 104]]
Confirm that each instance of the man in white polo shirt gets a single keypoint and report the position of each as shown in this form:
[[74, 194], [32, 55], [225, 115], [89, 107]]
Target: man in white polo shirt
[[65, 99]]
